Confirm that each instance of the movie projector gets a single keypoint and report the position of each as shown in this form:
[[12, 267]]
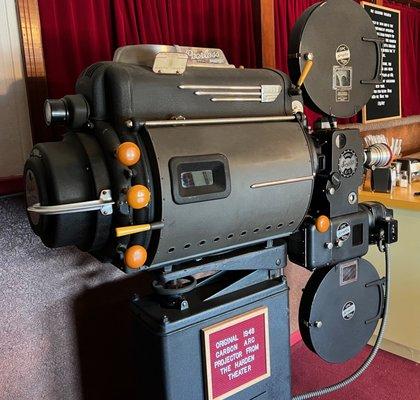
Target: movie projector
[[180, 165]]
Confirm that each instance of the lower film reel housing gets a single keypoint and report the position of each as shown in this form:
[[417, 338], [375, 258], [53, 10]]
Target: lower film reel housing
[[340, 309]]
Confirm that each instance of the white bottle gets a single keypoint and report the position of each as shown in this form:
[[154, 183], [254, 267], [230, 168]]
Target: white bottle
[[404, 179]]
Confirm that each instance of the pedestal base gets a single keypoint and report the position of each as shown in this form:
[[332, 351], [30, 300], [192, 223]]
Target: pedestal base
[[234, 346]]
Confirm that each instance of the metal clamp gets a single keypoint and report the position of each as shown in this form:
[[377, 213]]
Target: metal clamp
[[103, 204]]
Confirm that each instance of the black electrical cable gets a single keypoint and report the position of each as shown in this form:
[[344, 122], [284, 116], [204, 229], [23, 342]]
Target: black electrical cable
[[375, 349]]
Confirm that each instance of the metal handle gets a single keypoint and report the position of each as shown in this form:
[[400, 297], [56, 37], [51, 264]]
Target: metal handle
[[103, 204], [309, 57], [133, 229], [218, 121], [377, 79], [379, 283]]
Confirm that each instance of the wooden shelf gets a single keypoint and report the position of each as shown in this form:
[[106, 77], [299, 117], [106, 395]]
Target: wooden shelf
[[399, 198]]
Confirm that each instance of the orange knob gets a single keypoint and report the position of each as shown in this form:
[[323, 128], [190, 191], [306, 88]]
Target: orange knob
[[135, 257], [128, 154], [322, 224], [138, 196]]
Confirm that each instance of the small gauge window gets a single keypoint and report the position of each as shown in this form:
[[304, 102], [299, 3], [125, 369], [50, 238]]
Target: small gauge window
[[191, 179]]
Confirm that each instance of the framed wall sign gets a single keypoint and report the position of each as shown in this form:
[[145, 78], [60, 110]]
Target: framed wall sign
[[385, 102], [236, 353]]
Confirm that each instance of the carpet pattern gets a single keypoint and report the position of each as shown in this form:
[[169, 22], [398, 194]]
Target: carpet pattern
[[64, 322], [389, 377]]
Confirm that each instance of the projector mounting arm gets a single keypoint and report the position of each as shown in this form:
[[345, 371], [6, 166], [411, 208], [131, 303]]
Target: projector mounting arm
[[245, 268], [271, 257]]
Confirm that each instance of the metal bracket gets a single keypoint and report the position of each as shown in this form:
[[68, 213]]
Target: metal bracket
[[268, 258], [248, 278], [103, 204]]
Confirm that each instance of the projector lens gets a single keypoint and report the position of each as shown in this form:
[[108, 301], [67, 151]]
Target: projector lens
[[55, 112], [47, 113]]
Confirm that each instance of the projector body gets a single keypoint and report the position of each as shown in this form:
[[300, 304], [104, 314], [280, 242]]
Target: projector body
[[207, 176]]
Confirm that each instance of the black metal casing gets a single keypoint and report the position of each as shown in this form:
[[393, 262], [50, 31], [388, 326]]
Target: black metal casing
[[118, 91], [253, 154], [172, 346], [309, 248]]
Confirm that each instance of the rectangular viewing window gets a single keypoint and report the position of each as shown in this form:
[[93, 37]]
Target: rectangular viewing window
[[199, 178]]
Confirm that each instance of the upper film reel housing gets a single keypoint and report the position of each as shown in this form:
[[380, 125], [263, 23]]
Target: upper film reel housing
[[347, 57]]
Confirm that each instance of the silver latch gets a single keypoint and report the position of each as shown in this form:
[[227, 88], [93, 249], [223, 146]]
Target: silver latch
[[170, 63]]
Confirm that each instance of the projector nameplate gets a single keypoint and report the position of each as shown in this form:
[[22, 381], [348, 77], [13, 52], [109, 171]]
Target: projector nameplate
[[237, 354]]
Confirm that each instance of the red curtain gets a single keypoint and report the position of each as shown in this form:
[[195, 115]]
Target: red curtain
[[77, 33], [287, 12], [410, 57]]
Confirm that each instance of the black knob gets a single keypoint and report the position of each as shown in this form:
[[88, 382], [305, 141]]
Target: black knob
[[335, 180]]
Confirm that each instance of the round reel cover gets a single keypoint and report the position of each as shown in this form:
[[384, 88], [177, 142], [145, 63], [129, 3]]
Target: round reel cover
[[333, 32], [340, 308]]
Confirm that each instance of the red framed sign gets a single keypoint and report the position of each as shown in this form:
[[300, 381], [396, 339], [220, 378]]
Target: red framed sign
[[236, 353]]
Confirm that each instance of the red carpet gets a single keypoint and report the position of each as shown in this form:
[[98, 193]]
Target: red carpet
[[389, 377]]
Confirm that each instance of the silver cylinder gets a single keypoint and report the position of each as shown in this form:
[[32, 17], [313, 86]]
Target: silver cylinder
[[378, 155], [271, 175]]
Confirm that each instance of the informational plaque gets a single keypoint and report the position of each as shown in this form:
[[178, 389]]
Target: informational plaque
[[237, 354], [385, 102]]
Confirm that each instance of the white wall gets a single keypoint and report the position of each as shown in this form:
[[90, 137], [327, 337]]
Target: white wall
[[402, 336], [15, 131]]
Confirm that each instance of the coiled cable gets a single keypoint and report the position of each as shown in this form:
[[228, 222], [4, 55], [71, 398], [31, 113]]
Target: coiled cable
[[375, 349]]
